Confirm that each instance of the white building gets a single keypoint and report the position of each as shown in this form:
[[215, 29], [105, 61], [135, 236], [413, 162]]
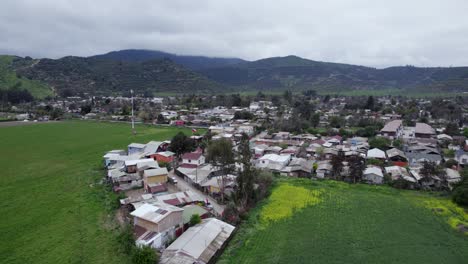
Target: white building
[[199, 243], [273, 161], [373, 175]]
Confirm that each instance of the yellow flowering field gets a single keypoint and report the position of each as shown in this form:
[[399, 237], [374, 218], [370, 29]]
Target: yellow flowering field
[[286, 199]]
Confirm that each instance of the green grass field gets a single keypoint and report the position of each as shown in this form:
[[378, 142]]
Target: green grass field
[[334, 222], [51, 209], [8, 78]]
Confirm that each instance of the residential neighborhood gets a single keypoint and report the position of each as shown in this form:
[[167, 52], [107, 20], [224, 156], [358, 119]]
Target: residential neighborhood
[[165, 184]]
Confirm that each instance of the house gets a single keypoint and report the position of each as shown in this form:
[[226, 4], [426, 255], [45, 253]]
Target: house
[[180, 198], [417, 155], [112, 156], [153, 147], [192, 159], [154, 176], [444, 137], [354, 141], [376, 153], [392, 129], [259, 150], [373, 175], [199, 243], [131, 165], [146, 165], [397, 173], [423, 130], [214, 184], [397, 156], [273, 150], [249, 130], [298, 167], [461, 156], [178, 123], [156, 188], [324, 169], [135, 148], [273, 162], [155, 224], [114, 161], [197, 175], [453, 176], [165, 157]]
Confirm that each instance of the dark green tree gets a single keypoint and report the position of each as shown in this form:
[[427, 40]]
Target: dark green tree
[[221, 156], [246, 178], [181, 144]]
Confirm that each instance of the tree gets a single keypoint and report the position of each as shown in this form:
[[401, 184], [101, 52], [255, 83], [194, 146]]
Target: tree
[[245, 180], [221, 156], [243, 115], [181, 144], [287, 95], [337, 164], [315, 119], [195, 219], [430, 169], [370, 103], [85, 109], [397, 143], [356, 168], [144, 255], [460, 190], [379, 142], [452, 129], [161, 119], [336, 121]]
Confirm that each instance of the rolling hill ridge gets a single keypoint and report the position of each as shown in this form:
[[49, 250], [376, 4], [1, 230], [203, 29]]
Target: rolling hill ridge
[[151, 72]]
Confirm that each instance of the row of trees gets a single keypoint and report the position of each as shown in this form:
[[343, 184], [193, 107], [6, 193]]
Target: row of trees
[[15, 96]]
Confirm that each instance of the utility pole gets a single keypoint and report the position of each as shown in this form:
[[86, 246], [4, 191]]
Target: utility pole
[[133, 118]]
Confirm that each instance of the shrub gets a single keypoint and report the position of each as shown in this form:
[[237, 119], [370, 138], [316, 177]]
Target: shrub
[[460, 194], [144, 255], [195, 219]]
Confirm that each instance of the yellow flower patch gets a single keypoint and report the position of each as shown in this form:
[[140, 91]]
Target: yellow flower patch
[[286, 199]]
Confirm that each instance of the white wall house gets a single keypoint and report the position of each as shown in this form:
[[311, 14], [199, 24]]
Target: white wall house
[[273, 161], [373, 175]]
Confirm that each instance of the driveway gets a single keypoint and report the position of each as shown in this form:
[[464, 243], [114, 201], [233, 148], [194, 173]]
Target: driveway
[[185, 186]]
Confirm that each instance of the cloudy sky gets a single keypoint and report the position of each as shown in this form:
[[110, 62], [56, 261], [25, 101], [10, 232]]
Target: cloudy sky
[[369, 32]]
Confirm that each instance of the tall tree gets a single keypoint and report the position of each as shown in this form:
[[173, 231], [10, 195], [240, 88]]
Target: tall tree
[[337, 164], [315, 119], [356, 168], [221, 156], [245, 180]]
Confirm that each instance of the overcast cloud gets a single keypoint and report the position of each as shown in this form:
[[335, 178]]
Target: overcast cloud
[[368, 32]]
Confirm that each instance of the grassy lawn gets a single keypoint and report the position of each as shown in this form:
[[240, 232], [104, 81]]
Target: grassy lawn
[[51, 209], [333, 222]]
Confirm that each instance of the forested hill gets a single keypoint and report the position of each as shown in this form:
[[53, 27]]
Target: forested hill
[[191, 62], [75, 75], [296, 73], [150, 72]]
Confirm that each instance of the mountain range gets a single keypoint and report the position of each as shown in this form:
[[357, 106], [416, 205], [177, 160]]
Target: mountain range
[[150, 72]]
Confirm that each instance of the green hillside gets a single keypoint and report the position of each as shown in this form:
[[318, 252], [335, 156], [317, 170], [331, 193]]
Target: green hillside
[[334, 222], [76, 75], [9, 79]]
